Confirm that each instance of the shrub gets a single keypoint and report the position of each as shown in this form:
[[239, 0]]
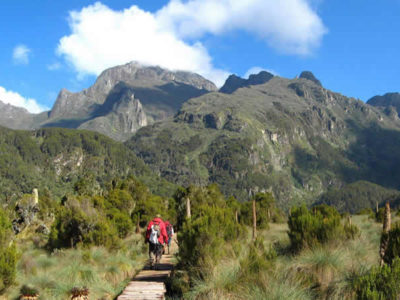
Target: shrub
[[79, 222], [393, 247], [351, 231], [380, 215], [121, 221], [311, 228], [379, 283], [366, 211], [266, 211], [8, 253], [203, 238]]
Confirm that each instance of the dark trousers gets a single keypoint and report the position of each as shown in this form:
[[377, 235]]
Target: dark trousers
[[155, 252]]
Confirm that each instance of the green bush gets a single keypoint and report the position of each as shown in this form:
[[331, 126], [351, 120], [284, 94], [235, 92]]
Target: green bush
[[393, 247], [257, 259], [265, 208], [351, 231], [309, 228], [203, 238], [79, 222], [121, 221], [379, 283], [380, 215], [367, 211], [8, 253]]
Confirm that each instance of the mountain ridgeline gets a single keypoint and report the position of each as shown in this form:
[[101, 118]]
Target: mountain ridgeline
[[122, 100], [291, 137]]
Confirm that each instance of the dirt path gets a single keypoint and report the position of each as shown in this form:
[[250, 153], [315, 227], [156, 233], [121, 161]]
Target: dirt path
[[150, 284]]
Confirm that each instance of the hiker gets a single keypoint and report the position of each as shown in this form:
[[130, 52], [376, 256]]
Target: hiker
[[170, 232], [157, 236]]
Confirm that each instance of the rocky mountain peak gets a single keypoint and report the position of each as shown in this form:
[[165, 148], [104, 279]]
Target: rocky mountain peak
[[310, 76], [10, 110], [235, 82], [388, 102], [260, 78], [134, 71]]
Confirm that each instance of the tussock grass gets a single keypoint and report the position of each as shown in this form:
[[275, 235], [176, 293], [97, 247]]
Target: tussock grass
[[326, 272], [54, 275]]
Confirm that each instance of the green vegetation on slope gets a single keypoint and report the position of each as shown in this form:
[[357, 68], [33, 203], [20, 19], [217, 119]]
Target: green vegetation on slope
[[60, 159], [292, 138], [358, 195]]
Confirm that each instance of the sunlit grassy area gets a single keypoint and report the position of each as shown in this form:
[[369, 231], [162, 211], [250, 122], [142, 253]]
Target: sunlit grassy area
[[105, 273], [325, 272]]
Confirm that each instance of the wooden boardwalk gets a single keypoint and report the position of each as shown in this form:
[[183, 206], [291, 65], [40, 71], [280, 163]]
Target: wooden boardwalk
[[150, 284]]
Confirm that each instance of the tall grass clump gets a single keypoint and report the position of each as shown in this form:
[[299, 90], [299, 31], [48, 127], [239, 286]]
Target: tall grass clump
[[8, 253], [103, 271]]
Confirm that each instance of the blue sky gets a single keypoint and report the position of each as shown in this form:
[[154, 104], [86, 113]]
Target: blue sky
[[351, 46]]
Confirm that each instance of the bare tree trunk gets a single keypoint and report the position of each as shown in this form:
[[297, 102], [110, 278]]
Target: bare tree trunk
[[385, 233], [188, 213], [236, 216], [349, 219], [377, 208], [254, 219]]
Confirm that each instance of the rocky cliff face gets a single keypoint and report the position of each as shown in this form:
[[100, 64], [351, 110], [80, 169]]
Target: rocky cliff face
[[19, 118], [388, 103], [235, 82], [292, 137], [134, 76], [123, 119], [109, 106]]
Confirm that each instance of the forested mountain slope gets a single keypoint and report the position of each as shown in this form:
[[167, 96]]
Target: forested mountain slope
[[62, 160], [292, 137]]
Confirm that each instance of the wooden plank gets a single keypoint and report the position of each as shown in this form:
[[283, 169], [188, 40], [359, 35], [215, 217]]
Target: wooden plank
[[149, 284]]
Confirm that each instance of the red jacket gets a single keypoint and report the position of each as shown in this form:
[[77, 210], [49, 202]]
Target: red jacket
[[163, 238]]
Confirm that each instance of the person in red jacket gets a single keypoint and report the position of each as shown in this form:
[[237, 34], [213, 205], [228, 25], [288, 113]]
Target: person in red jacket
[[157, 236]]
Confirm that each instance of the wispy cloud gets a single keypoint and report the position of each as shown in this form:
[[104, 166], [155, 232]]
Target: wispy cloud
[[21, 54], [54, 66], [13, 98]]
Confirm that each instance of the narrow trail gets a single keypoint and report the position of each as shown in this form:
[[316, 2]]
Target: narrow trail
[[150, 284]]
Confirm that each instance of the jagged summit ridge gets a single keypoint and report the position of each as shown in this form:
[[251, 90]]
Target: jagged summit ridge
[[235, 82], [310, 76]]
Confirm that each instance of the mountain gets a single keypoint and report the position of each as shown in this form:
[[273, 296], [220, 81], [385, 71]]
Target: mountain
[[60, 160], [388, 103], [291, 137], [123, 99], [19, 118], [358, 195], [235, 82]]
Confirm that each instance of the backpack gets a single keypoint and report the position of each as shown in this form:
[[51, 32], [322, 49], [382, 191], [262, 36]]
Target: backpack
[[155, 233], [169, 230]]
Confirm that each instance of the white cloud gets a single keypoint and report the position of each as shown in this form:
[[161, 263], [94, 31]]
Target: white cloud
[[15, 99], [291, 26], [256, 70], [21, 54], [101, 37], [54, 66]]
